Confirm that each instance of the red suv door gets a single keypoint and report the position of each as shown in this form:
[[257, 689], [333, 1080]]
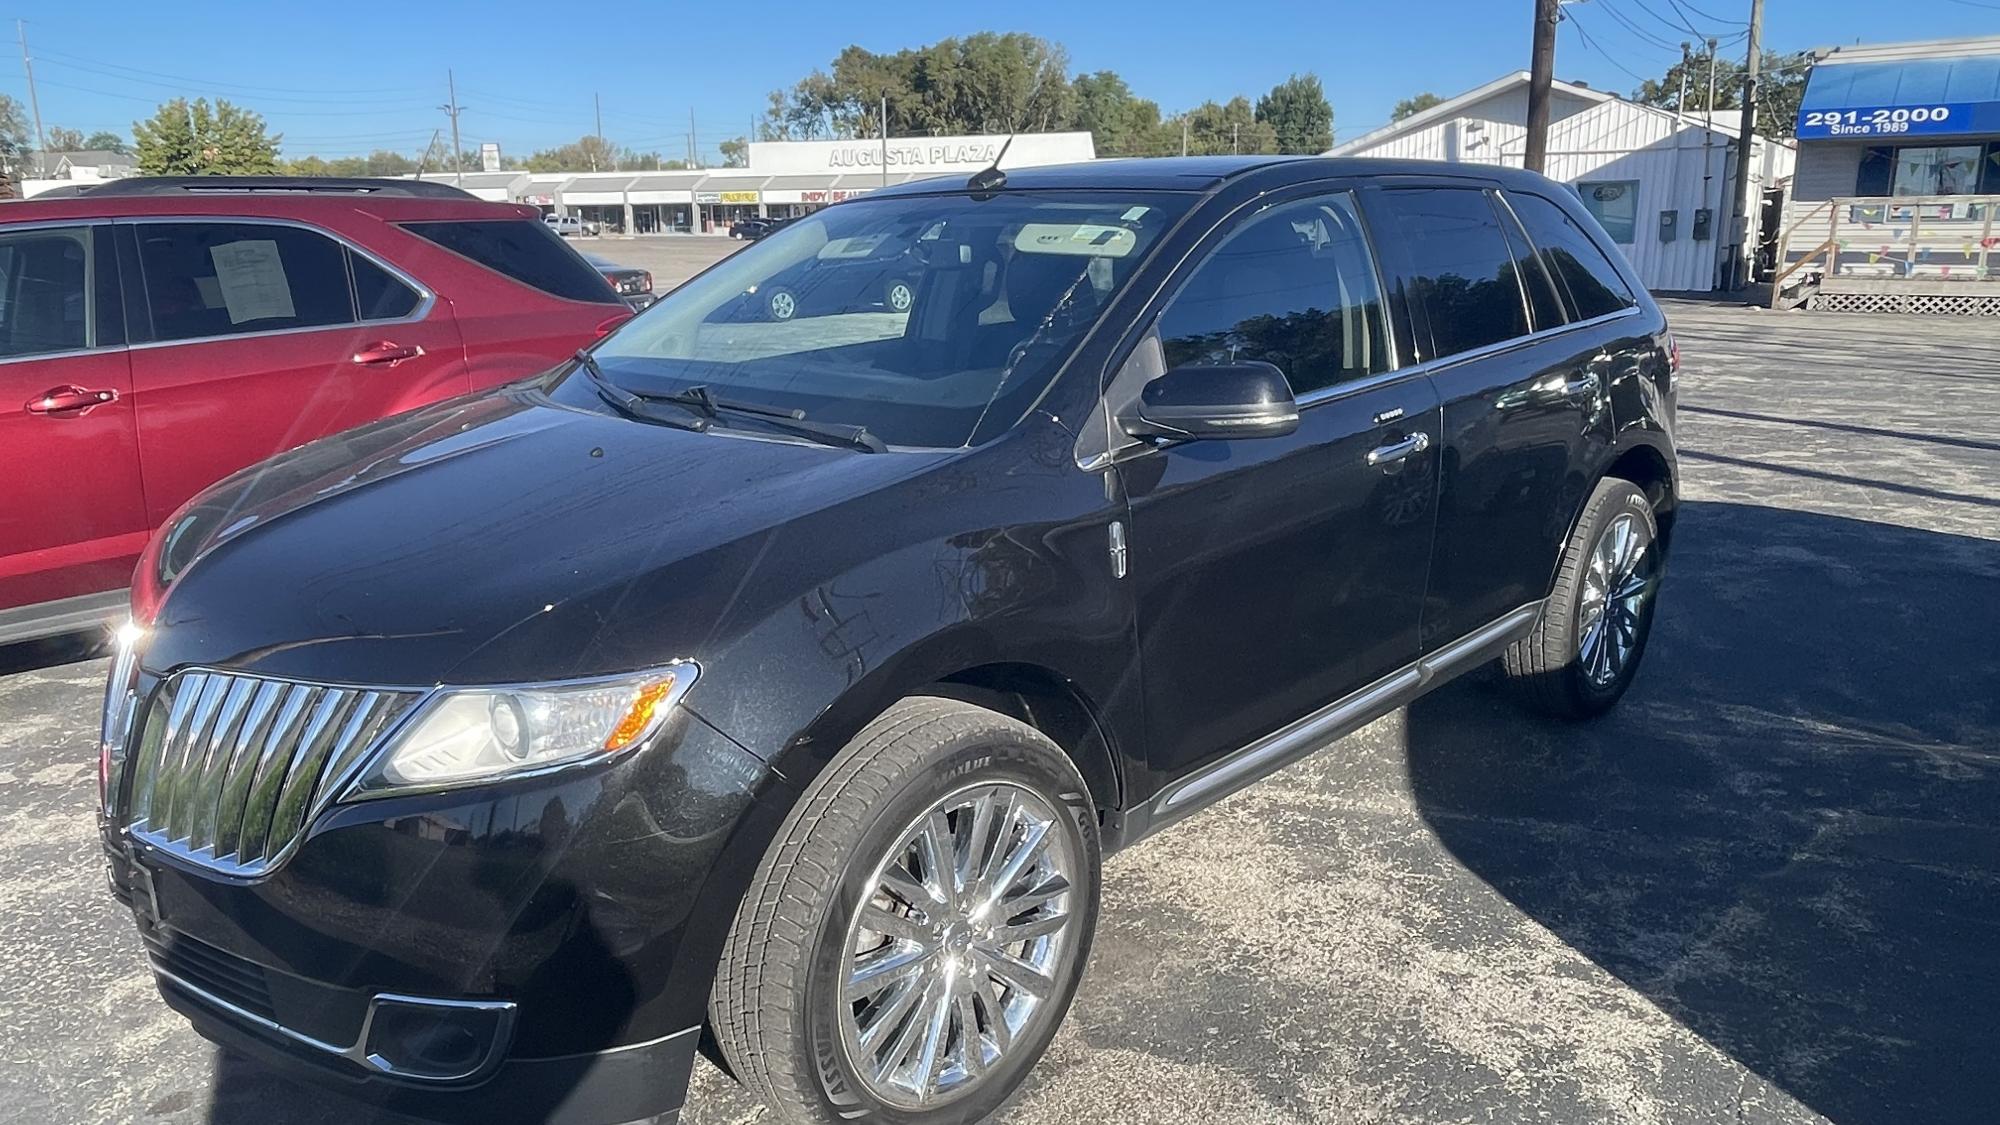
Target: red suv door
[[72, 516], [266, 335]]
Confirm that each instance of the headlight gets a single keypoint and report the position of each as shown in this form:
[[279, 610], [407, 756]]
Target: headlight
[[463, 735]]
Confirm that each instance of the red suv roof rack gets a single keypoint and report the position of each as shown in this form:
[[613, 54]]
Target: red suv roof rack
[[316, 185]]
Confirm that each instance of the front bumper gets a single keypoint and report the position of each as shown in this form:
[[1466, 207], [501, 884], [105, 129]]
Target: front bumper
[[529, 950]]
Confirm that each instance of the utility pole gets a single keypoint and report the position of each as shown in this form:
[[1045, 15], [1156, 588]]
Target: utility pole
[[35, 103], [424, 160], [885, 140], [452, 109], [1235, 137], [691, 161], [1708, 144], [1687, 64], [1184, 127], [1742, 255], [1541, 79], [597, 103]]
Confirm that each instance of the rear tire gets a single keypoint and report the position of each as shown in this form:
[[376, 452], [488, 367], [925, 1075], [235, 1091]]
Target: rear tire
[[1587, 644], [818, 1011]]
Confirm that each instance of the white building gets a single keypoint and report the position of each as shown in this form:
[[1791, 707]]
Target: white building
[[782, 178], [1660, 182], [41, 171]]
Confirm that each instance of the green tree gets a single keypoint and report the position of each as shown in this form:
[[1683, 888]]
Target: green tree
[[65, 140], [983, 83], [1119, 122], [13, 129], [585, 154], [1298, 113], [104, 140], [191, 139], [1781, 84], [1410, 107], [735, 152], [1232, 126]]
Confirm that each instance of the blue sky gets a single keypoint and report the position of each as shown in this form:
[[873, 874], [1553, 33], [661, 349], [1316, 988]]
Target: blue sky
[[357, 75]]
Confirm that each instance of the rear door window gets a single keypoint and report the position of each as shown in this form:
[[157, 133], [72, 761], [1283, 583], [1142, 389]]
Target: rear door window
[[1461, 269], [207, 279], [1594, 285], [524, 250], [1545, 302], [1294, 287], [379, 294], [44, 292]]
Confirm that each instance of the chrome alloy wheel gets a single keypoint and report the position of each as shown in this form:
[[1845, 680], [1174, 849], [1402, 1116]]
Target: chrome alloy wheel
[[963, 938], [1616, 588], [784, 306]]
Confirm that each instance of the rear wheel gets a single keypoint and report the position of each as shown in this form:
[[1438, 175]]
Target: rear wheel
[[900, 296], [914, 936], [1586, 647], [781, 303]]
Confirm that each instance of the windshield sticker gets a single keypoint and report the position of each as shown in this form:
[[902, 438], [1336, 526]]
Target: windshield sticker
[[1091, 240], [252, 277], [859, 246], [1134, 214]]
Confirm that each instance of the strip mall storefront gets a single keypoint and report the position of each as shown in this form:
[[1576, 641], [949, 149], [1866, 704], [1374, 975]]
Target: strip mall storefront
[[783, 179]]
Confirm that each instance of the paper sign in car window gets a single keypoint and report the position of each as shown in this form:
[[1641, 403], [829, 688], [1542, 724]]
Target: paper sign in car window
[[1089, 240], [858, 246], [252, 276]]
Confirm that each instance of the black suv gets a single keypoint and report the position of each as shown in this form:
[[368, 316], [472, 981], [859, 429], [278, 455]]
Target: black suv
[[775, 688]]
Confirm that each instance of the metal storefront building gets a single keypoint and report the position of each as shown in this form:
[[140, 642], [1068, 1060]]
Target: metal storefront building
[[1896, 206], [784, 178]]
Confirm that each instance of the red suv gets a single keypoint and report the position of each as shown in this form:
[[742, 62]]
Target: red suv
[[157, 334]]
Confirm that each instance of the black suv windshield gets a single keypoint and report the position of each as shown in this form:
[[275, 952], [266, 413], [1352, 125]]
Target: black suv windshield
[[917, 317]]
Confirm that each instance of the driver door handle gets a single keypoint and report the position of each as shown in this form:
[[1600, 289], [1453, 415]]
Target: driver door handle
[[68, 399], [1400, 450], [387, 352], [1582, 385]]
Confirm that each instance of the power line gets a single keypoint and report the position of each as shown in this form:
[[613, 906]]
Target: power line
[[179, 87], [1570, 18], [324, 94], [1632, 26]]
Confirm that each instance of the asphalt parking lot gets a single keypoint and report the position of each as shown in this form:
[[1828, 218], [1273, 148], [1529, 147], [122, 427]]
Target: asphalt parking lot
[[1767, 889]]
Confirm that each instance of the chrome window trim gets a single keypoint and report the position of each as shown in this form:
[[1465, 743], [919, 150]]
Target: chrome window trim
[[69, 353], [1429, 366], [357, 1052], [426, 297]]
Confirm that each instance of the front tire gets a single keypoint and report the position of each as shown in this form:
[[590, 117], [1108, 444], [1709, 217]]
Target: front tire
[[912, 939], [1585, 648]]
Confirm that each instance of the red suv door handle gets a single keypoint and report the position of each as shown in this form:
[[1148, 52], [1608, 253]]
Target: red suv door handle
[[387, 352], [68, 399]]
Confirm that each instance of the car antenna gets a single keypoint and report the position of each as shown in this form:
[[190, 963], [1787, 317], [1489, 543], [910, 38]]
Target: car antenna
[[991, 178]]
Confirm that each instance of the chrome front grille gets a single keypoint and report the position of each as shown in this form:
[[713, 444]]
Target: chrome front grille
[[229, 769]]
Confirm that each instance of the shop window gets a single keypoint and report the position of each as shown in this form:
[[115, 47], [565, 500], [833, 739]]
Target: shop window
[[1615, 206], [1937, 170]]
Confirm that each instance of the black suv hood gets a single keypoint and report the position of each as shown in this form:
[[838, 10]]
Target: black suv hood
[[497, 538]]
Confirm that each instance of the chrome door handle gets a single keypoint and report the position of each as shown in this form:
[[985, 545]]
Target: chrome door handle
[[1398, 450], [68, 399], [1583, 384]]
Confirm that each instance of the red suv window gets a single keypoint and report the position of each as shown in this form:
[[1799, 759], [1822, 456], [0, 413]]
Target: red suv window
[[527, 251]]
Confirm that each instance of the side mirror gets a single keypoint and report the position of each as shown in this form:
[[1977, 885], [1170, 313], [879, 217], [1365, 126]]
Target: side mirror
[[1224, 400]]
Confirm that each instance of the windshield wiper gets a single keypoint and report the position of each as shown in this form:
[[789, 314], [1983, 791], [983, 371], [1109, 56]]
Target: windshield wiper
[[703, 401], [710, 409], [628, 403]]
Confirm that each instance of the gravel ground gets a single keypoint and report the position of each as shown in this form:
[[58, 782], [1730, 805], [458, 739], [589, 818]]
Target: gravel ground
[[1767, 889]]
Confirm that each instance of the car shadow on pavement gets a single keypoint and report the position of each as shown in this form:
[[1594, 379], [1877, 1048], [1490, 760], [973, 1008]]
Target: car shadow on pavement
[[29, 656], [1788, 837]]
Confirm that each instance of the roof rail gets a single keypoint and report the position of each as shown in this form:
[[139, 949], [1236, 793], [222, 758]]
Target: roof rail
[[309, 185]]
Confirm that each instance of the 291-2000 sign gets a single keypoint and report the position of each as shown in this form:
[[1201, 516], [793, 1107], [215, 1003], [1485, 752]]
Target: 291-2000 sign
[[1871, 121]]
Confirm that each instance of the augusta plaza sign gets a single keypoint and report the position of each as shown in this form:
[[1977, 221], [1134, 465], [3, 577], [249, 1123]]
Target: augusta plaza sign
[[922, 155]]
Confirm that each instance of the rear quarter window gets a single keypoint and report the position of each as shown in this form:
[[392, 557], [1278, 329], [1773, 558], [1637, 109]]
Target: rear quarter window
[[1460, 266], [1573, 257], [524, 250]]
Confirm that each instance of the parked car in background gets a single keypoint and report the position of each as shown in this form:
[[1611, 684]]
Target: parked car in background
[[754, 228], [158, 334], [633, 285], [571, 226], [776, 689], [873, 272]]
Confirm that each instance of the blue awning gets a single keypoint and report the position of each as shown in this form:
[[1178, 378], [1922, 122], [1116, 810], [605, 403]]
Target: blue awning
[[1903, 98]]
